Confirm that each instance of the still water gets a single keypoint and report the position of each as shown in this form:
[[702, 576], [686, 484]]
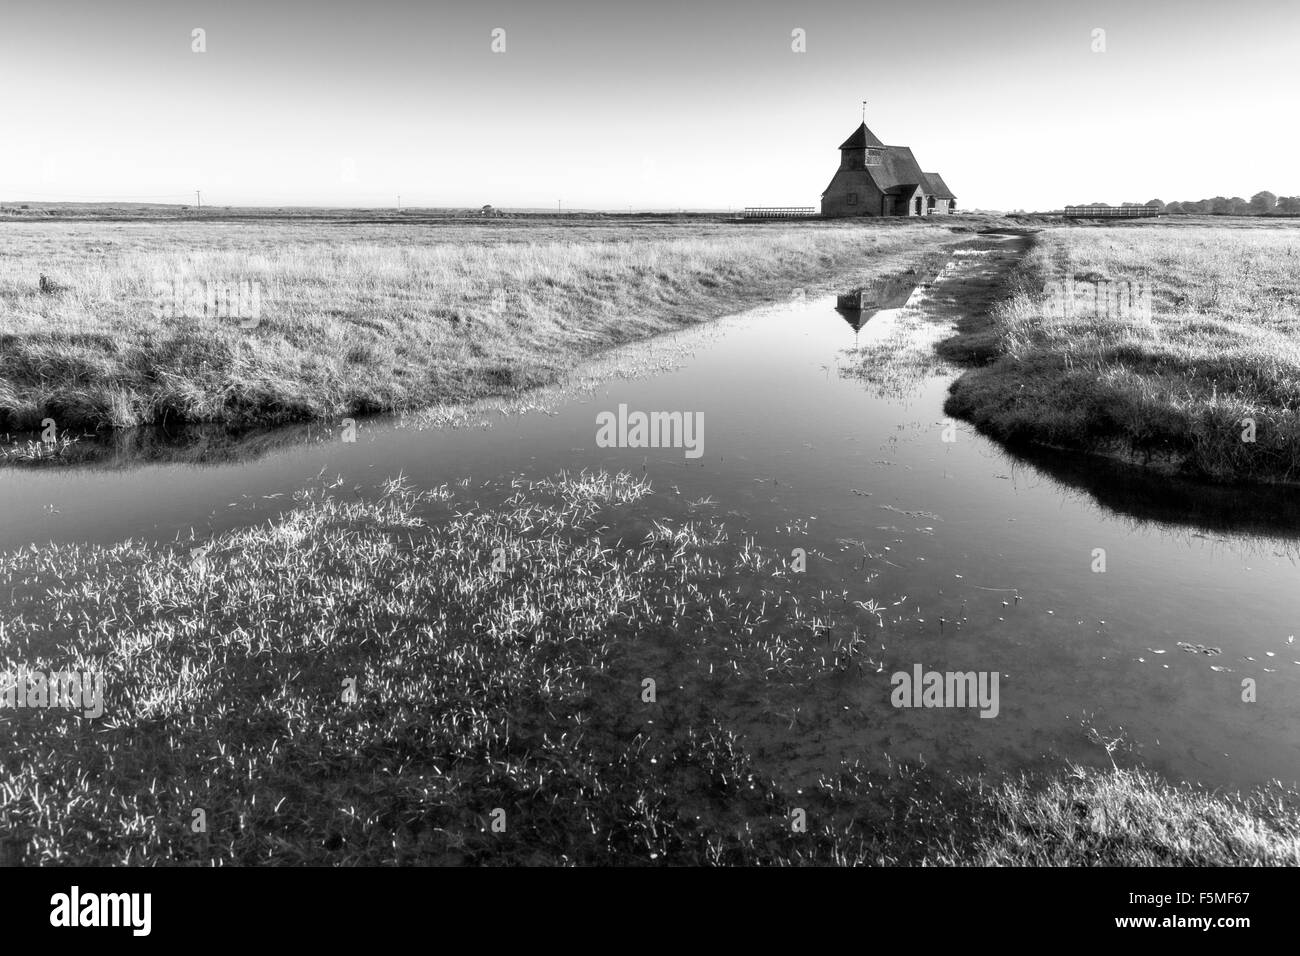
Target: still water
[[797, 454]]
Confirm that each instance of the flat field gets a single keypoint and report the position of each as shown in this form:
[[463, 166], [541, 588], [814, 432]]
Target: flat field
[[359, 316]]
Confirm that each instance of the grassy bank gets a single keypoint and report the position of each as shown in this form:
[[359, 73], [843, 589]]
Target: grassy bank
[[361, 317], [1185, 386], [356, 682]]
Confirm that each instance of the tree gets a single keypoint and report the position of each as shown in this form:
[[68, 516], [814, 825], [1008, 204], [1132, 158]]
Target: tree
[[1158, 204], [1289, 205], [1263, 203], [1175, 209]]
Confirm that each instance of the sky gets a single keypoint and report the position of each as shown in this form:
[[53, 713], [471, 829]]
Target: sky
[[663, 104]]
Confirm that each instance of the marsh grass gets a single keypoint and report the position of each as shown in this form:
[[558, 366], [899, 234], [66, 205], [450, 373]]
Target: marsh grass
[[1126, 817], [1222, 347], [226, 664], [194, 444], [360, 318], [39, 452]]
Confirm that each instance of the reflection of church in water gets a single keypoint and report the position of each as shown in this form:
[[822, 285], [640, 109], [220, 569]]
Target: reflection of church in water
[[891, 292]]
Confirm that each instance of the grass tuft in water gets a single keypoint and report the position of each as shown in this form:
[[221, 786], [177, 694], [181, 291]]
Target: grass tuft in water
[[364, 682]]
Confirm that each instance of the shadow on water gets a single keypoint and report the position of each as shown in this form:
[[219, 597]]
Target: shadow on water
[[1136, 492]]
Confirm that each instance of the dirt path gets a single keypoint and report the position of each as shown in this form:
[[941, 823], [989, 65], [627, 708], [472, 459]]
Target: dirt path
[[968, 289]]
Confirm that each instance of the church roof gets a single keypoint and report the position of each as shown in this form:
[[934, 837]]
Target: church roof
[[861, 138], [898, 167], [937, 187]]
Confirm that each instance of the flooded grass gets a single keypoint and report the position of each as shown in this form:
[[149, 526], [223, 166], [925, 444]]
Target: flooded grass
[[418, 678], [60, 449]]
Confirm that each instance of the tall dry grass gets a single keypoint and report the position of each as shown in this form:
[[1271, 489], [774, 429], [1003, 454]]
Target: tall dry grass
[[1219, 350], [359, 318]]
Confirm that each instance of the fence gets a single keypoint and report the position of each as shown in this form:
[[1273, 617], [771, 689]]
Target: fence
[[1110, 212], [779, 212]]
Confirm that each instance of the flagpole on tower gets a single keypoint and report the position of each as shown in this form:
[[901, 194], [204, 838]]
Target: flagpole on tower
[[864, 111]]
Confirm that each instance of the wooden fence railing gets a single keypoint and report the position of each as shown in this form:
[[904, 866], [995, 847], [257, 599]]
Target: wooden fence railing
[[1110, 212], [779, 212]]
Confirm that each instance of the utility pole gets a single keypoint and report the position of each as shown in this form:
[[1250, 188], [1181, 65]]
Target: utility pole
[[399, 202], [557, 205], [198, 198]]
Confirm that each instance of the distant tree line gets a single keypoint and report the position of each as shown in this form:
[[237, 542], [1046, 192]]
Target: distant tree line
[[1261, 204]]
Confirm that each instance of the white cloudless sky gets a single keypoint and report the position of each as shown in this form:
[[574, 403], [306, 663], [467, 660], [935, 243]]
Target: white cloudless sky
[[659, 104]]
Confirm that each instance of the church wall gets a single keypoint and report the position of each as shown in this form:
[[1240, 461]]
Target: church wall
[[847, 185]]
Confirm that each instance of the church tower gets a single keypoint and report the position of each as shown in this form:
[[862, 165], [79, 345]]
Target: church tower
[[861, 150]]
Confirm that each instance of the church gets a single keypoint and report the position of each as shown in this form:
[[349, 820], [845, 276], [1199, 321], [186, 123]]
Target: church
[[879, 180]]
